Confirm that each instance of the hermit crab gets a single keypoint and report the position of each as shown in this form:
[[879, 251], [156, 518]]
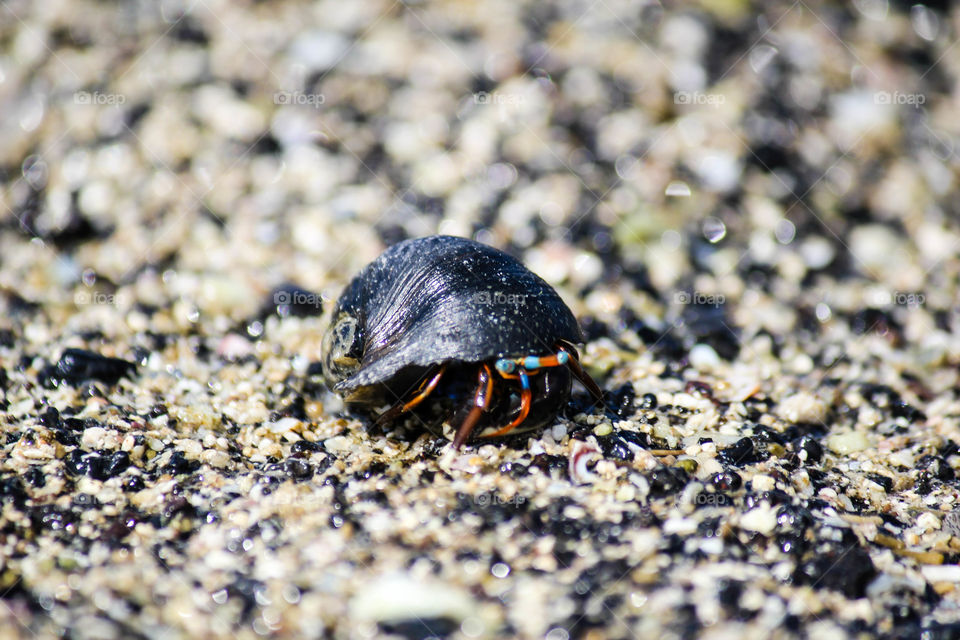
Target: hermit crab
[[456, 333]]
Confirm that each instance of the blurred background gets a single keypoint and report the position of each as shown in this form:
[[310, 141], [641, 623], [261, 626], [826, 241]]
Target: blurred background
[[761, 197], [640, 157]]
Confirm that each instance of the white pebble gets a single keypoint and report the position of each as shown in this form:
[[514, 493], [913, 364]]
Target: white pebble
[[762, 519], [802, 407], [319, 50], [849, 442], [702, 356], [941, 572], [397, 597]]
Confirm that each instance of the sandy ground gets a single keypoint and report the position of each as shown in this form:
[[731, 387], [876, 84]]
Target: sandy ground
[[752, 210]]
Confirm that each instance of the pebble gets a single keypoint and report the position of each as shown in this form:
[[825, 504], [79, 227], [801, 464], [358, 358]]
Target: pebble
[[719, 171], [849, 442], [704, 357], [398, 597], [803, 407], [318, 50], [940, 573], [762, 519], [77, 366]]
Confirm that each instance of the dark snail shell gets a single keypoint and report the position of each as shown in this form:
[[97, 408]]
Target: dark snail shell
[[450, 304], [437, 299]]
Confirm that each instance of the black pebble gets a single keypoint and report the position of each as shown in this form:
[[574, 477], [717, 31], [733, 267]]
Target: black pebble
[[937, 467], [35, 477], [726, 481], [649, 402], [66, 437], [420, 629], [85, 501], [739, 453], [667, 480], [175, 506], [50, 418], [874, 320], [75, 463], [949, 448], [622, 401], [134, 483], [11, 488], [884, 481], [848, 571], [296, 409], [811, 446], [709, 324], [97, 467], [104, 467], [305, 446], [118, 463], [298, 469], [901, 409], [179, 464], [77, 366]]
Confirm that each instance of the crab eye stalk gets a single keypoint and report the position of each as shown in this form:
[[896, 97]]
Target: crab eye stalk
[[343, 344], [505, 365]]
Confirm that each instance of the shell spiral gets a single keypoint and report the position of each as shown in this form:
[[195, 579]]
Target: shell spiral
[[439, 299]]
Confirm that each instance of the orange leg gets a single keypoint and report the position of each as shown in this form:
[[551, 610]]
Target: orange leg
[[425, 389], [481, 400], [526, 400]]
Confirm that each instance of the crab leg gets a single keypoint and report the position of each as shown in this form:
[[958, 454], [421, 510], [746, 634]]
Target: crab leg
[[425, 389], [481, 400], [520, 369], [526, 399], [574, 364]]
